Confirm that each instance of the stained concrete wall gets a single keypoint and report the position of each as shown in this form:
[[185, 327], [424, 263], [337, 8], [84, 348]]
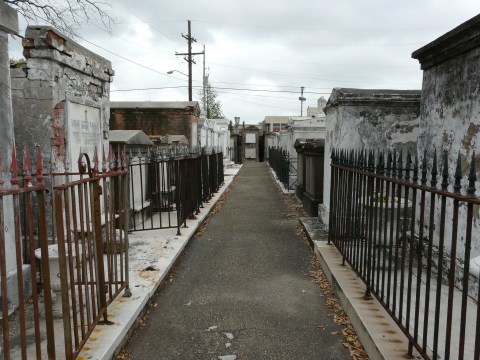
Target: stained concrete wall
[[372, 119], [450, 111], [60, 102], [58, 72], [8, 25]]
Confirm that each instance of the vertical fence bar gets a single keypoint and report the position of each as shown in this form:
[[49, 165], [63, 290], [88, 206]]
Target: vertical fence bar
[[423, 181], [472, 177], [3, 274], [67, 330], [433, 184], [443, 206], [411, 255], [18, 252]]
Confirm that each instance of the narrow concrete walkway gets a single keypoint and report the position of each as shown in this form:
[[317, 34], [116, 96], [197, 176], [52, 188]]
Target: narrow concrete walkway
[[242, 290]]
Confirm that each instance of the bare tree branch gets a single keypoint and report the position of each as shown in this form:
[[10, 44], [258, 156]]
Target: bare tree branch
[[64, 15]]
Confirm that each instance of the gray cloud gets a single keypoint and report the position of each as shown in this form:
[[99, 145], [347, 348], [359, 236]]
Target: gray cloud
[[272, 46]]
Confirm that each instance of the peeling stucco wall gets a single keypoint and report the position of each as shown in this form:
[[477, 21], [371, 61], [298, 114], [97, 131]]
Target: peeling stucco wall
[[371, 119], [450, 115], [58, 71], [8, 25]]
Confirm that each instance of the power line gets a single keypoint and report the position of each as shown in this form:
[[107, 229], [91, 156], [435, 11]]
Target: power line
[[129, 60], [318, 29], [304, 76], [223, 88], [145, 22]]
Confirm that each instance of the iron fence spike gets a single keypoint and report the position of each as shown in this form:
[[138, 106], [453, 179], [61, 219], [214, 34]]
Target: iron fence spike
[[14, 169], [400, 164], [423, 180], [434, 172], [458, 175], [382, 162], [415, 170], [389, 161], [104, 160], [27, 166], [95, 160], [394, 163], [472, 177], [445, 171], [408, 166]]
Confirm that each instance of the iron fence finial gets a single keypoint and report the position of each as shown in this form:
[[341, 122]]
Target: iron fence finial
[[415, 170], [458, 175], [27, 167], [472, 177], [400, 165], [408, 166], [104, 160], [14, 169], [39, 165], [445, 171], [423, 180], [434, 181]]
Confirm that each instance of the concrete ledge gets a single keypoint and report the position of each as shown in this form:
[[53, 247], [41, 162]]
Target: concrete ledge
[[8, 19], [379, 334]]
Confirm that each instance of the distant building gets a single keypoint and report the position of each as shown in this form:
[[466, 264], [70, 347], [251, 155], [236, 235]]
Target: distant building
[[158, 118], [214, 132], [274, 123]]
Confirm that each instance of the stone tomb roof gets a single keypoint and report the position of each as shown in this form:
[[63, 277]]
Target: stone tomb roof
[[310, 145], [349, 96], [153, 104], [129, 137], [463, 38]]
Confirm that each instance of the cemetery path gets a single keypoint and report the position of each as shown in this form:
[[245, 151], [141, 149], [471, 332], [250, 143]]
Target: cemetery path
[[242, 289]]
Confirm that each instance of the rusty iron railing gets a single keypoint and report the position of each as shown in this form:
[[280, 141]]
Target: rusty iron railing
[[169, 186], [91, 232], [410, 242], [27, 325]]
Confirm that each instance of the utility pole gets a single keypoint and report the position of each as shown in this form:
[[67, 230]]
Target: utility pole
[[189, 58], [302, 99], [205, 81]]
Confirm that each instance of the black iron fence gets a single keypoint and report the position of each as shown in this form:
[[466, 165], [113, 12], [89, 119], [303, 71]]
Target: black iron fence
[[236, 154], [410, 241], [167, 187], [280, 161]]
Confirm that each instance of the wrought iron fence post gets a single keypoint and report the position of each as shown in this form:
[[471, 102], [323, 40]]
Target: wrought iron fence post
[[124, 194]]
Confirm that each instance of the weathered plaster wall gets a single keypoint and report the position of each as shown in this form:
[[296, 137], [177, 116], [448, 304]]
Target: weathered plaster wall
[[451, 106], [372, 119], [58, 71], [8, 25], [450, 113]]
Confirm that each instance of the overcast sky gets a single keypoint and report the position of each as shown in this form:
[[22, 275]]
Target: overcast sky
[[259, 53]]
